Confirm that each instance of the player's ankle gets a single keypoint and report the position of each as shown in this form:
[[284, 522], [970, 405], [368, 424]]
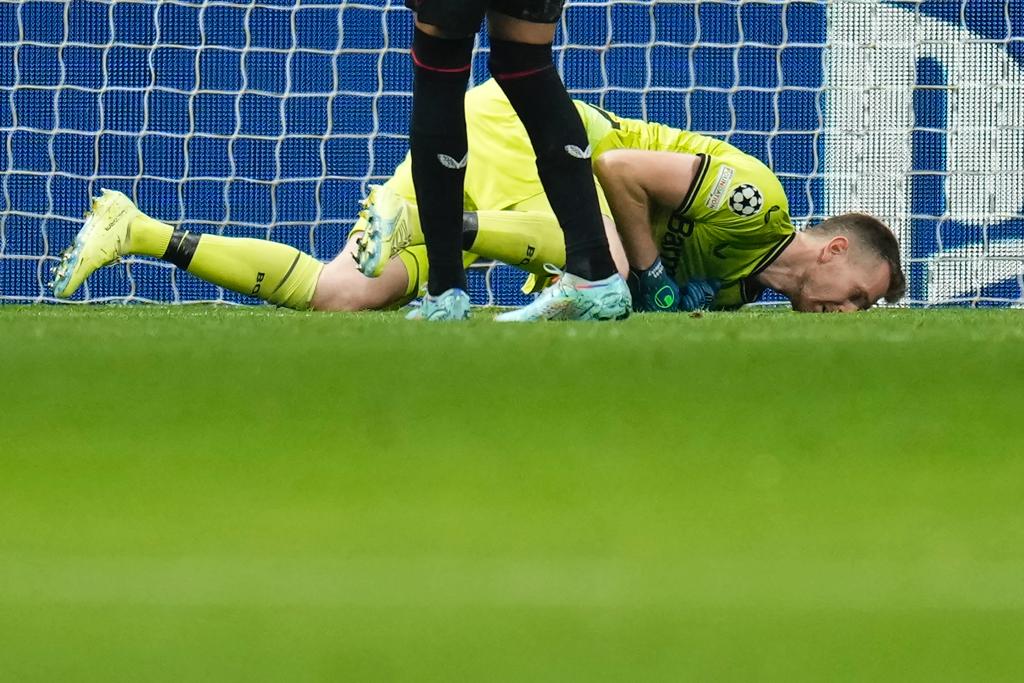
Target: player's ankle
[[148, 236], [592, 264], [456, 279]]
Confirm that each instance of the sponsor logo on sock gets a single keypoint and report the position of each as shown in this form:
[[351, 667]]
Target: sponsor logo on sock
[[575, 151], [259, 281], [449, 162], [530, 251]]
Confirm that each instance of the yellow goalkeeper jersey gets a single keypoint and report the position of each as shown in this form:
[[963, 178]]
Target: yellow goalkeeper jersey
[[502, 168], [733, 222]]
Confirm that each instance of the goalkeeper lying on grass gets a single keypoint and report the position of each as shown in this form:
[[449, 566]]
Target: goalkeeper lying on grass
[[697, 223]]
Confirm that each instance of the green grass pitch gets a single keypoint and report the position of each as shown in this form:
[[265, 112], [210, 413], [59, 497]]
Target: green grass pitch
[[240, 494]]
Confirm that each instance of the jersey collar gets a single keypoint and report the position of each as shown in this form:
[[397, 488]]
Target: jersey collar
[[750, 288]]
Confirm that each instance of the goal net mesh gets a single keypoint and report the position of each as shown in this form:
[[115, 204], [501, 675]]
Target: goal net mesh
[[269, 119]]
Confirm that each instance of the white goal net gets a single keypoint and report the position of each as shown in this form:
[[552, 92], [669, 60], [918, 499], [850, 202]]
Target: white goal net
[[269, 119]]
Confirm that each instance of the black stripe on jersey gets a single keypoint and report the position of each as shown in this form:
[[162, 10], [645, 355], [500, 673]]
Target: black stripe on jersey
[[750, 288], [691, 194], [615, 124], [770, 257], [181, 248]]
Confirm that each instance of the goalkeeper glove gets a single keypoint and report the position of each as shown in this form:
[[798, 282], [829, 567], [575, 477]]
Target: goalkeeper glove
[[653, 290], [699, 295]]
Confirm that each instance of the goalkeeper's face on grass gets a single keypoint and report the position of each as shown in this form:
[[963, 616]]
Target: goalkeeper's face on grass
[[841, 280]]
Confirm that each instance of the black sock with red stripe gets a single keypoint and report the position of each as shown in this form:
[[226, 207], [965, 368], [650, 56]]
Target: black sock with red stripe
[[527, 75], [437, 141]]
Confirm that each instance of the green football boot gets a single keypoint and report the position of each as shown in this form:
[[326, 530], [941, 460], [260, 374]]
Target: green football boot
[[102, 240], [387, 231]]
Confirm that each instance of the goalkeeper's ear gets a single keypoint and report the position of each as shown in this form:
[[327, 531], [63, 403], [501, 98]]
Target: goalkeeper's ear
[[838, 245]]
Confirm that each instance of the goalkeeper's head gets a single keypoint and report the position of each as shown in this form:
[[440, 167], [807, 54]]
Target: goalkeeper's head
[[854, 261]]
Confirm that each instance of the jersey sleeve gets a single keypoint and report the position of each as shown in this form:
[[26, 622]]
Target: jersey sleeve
[[732, 221], [737, 199]]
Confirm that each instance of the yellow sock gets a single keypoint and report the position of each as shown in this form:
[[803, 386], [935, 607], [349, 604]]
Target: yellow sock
[[527, 239], [417, 269], [272, 271], [149, 237]]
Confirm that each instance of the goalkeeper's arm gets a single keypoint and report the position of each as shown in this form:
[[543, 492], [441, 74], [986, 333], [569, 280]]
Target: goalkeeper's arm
[[635, 182]]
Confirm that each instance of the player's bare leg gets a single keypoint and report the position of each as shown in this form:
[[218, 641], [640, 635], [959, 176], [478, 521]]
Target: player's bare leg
[[343, 288]]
